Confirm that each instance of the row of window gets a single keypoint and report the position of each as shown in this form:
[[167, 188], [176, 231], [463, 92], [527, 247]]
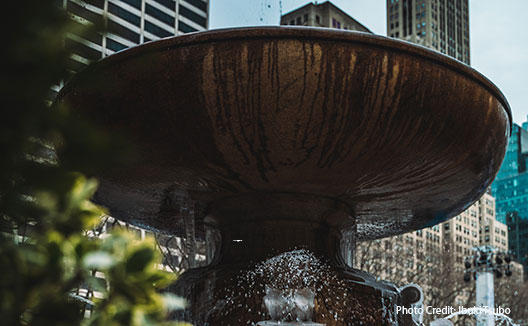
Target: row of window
[[88, 47], [126, 33], [303, 19]]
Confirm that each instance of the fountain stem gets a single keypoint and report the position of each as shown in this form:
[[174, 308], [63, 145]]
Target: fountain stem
[[258, 226]]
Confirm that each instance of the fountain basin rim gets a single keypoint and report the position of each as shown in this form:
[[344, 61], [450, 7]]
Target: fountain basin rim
[[298, 33]]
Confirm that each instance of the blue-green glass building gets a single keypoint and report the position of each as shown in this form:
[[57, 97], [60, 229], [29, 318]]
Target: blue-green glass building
[[510, 189]]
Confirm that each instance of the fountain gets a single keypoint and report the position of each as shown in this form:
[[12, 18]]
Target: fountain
[[287, 145]]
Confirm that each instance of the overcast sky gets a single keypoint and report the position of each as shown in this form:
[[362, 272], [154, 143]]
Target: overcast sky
[[498, 34]]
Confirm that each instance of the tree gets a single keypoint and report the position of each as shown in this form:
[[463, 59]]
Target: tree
[[440, 275], [45, 208], [433, 268], [513, 294]]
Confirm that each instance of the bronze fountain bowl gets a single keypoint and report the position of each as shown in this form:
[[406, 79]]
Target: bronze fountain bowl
[[283, 138]]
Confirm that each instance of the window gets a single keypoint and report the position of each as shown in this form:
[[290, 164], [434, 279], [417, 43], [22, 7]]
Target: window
[[299, 22], [134, 3], [114, 46], [317, 19], [82, 49], [168, 3], [182, 27], [93, 37], [160, 32], [122, 13], [122, 31], [306, 17], [292, 22], [160, 15], [192, 16], [83, 12], [198, 4], [97, 3]]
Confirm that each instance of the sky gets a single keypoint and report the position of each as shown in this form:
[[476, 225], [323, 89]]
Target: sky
[[498, 34]]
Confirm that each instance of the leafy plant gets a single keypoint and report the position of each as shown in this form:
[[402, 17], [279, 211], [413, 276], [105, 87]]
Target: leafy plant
[[45, 209]]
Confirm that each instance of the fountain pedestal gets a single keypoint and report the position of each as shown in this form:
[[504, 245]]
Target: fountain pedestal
[[281, 245]]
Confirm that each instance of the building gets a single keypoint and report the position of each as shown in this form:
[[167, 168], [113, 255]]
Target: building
[[442, 25], [440, 251], [511, 184], [518, 238], [127, 23], [474, 227], [325, 14], [511, 190]]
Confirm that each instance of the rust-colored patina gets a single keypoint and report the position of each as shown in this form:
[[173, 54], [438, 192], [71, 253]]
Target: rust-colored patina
[[288, 137]]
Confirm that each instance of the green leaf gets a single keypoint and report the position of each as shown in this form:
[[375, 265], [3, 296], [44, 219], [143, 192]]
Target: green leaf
[[139, 260]]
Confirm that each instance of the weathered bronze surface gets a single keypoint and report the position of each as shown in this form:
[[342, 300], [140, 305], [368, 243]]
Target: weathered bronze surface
[[402, 135], [292, 137]]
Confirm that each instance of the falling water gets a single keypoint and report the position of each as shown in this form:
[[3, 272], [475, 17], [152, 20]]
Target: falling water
[[291, 279], [294, 288]]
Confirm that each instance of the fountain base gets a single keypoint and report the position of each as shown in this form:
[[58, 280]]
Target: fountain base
[[233, 295]]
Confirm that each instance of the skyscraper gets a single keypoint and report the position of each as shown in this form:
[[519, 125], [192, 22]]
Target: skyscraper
[[511, 190], [325, 14], [442, 25], [518, 238], [127, 23], [511, 185]]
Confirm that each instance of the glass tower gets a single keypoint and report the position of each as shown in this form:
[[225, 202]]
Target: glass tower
[[510, 189]]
